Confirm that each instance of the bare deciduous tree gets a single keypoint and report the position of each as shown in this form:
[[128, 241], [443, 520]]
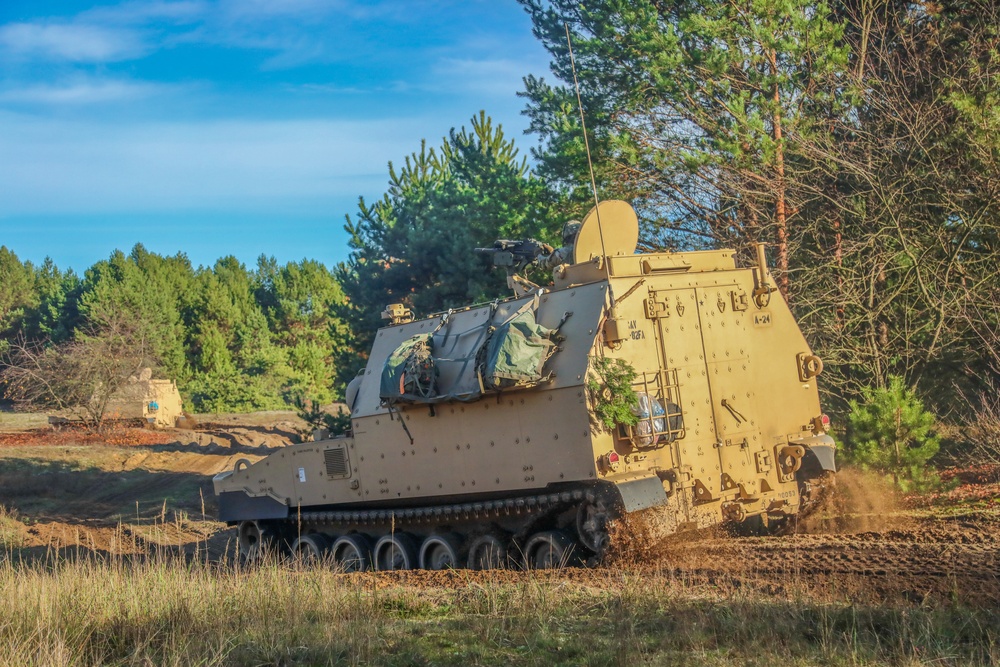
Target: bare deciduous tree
[[81, 376]]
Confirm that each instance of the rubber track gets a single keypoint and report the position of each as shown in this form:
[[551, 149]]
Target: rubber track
[[456, 512]]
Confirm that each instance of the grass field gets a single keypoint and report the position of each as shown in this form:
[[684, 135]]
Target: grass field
[[109, 555], [173, 612]]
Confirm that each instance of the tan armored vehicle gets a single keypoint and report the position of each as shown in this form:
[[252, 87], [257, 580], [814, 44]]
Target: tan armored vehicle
[[476, 439]]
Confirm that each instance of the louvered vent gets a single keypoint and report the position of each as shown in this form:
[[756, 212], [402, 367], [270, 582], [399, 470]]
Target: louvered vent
[[336, 462]]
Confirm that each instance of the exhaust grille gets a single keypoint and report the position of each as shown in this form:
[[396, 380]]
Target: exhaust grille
[[336, 462]]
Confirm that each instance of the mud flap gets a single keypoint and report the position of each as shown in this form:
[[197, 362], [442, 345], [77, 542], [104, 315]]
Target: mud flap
[[238, 506], [639, 490], [820, 455]]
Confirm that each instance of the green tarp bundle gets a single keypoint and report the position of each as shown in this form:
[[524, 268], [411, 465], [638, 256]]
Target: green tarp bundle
[[409, 373], [516, 353], [492, 356]]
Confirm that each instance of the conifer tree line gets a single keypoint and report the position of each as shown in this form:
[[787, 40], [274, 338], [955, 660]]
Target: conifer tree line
[[859, 139], [233, 338]]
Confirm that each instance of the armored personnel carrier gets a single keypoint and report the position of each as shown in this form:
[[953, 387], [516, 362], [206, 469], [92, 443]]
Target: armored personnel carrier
[[515, 432]]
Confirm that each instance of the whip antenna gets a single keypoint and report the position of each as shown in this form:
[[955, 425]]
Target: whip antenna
[[586, 142]]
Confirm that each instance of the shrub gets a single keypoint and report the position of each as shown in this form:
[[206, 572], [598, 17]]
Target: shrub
[[890, 431]]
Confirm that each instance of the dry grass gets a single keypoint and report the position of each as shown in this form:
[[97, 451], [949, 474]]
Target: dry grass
[[11, 536], [21, 421], [166, 611]]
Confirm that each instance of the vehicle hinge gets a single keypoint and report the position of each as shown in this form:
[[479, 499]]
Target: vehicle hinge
[[655, 309]]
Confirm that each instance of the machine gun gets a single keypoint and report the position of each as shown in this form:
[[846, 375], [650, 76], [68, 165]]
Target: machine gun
[[514, 257]]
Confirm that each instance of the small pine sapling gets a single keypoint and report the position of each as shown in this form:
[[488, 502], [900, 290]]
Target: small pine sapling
[[890, 431], [611, 392]]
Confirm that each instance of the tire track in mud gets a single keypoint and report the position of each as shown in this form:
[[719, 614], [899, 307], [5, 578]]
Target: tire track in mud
[[940, 562]]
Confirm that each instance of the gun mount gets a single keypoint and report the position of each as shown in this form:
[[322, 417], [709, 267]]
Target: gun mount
[[514, 257]]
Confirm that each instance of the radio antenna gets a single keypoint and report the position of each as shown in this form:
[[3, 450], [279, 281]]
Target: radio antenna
[[586, 142]]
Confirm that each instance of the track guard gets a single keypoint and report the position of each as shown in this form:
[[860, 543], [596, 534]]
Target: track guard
[[238, 506], [639, 490]]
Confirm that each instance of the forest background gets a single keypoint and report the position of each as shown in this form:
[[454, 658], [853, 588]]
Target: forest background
[[859, 139]]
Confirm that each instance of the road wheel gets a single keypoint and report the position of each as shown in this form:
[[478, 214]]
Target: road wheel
[[549, 550], [592, 521], [440, 552], [487, 552], [395, 551], [310, 549], [352, 553], [257, 540]]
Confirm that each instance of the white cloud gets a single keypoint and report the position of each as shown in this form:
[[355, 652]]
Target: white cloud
[[65, 41], [51, 167], [496, 76], [258, 10], [132, 13], [85, 91]]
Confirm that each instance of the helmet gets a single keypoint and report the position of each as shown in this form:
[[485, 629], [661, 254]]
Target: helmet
[[569, 231]]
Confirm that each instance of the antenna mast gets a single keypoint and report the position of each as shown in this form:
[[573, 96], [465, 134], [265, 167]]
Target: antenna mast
[[586, 142]]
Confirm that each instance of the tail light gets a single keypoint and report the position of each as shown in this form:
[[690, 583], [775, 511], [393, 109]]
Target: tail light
[[821, 424]]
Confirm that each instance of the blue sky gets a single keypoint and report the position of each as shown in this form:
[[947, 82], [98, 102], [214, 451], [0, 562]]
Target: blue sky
[[240, 127]]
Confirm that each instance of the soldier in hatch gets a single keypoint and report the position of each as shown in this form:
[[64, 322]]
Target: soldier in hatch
[[563, 255]]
